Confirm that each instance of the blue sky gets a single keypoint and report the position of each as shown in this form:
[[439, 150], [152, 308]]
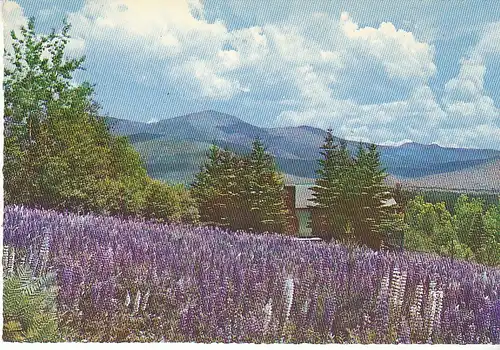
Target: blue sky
[[381, 71]]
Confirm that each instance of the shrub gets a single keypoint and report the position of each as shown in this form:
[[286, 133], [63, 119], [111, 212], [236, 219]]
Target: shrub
[[166, 203]]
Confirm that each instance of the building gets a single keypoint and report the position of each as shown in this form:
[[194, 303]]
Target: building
[[301, 206]]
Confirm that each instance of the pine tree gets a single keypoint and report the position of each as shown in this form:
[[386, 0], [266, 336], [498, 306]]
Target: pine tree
[[330, 216], [264, 192], [214, 188], [371, 194]]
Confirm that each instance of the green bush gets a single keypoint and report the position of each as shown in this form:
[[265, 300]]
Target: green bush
[[166, 203]]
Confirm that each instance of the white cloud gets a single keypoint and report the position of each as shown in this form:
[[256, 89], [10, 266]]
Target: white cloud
[[177, 33], [400, 53], [465, 116], [13, 19], [173, 32], [209, 82], [465, 99], [489, 43]]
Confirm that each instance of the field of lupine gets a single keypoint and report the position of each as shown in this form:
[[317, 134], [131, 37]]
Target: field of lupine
[[138, 281]]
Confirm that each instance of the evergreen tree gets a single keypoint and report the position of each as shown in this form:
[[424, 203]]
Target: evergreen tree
[[370, 208], [350, 195], [264, 192], [241, 192], [330, 216], [214, 187]]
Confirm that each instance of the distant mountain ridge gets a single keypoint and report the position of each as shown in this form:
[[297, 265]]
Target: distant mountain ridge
[[174, 149]]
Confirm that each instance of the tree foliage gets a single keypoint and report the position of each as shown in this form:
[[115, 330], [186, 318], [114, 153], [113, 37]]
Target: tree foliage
[[264, 192], [164, 202], [330, 217], [241, 191], [469, 234], [58, 150], [350, 194]]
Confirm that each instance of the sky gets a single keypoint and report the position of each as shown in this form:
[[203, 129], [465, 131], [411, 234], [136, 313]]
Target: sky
[[381, 71]]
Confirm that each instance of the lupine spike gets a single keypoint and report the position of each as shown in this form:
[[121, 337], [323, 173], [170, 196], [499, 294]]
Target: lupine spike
[[289, 288], [127, 299], [5, 256], [145, 301], [137, 302], [268, 312]]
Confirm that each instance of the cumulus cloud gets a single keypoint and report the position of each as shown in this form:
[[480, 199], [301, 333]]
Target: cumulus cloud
[[472, 114], [214, 61], [173, 31], [13, 19], [465, 116], [399, 51], [489, 44]]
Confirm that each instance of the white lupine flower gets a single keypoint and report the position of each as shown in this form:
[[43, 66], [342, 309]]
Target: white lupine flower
[[395, 288], [415, 308], [5, 255], [268, 311], [12, 256], [438, 306], [31, 256], [431, 308], [402, 289], [289, 287], [305, 307], [384, 286], [127, 299], [145, 301], [137, 301]]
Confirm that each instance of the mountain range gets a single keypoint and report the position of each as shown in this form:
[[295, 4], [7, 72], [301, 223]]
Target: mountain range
[[174, 149]]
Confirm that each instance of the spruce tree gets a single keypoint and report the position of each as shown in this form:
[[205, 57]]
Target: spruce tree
[[241, 192], [330, 216], [264, 192], [372, 194], [214, 188]]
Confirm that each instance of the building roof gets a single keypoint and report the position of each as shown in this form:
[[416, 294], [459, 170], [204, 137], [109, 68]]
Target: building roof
[[304, 196]]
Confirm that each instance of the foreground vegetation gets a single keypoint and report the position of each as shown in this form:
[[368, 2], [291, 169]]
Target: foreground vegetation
[[136, 281]]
